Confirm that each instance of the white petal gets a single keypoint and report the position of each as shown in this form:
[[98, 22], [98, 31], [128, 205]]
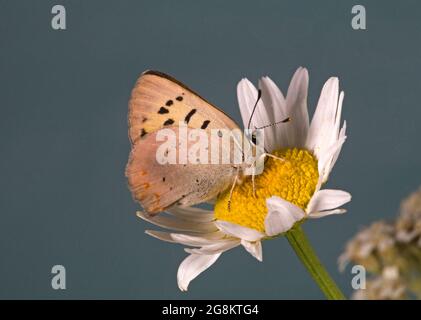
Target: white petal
[[324, 163], [296, 102], [366, 249], [328, 199], [247, 96], [322, 133], [321, 214], [192, 214], [343, 261], [274, 102], [189, 240], [164, 236], [238, 231], [339, 111], [192, 266], [405, 236], [174, 223], [342, 135], [215, 248], [281, 216], [169, 236], [254, 248], [243, 96]]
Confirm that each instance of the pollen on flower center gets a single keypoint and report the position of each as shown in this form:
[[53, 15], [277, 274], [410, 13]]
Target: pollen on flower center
[[294, 180]]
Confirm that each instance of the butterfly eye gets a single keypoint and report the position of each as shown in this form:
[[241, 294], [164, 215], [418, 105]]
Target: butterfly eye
[[253, 137]]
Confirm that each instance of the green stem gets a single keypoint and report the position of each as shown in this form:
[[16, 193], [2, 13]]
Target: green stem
[[305, 252]]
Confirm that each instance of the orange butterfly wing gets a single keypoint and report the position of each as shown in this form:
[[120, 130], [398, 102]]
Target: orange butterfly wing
[[159, 101], [159, 186]]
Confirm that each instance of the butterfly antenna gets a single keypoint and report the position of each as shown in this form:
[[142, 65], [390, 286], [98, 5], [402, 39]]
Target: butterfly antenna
[[275, 123], [259, 95]]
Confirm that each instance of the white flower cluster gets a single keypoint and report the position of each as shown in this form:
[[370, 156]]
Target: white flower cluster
[[391, 251]]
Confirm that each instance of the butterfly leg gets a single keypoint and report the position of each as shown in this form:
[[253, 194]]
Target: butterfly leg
[[232, 188], [253, 181], [260, 159], [274, 157]]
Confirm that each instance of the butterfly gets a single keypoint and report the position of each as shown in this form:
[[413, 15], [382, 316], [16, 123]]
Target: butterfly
[[159, 102]]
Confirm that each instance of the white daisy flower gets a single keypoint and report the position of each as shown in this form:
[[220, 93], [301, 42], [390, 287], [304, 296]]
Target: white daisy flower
[[287, 191]]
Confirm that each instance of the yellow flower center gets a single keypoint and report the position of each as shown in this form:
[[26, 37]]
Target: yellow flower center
[[293, 179]]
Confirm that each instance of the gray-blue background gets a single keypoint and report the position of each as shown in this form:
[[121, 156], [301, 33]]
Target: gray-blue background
[[64, 146]]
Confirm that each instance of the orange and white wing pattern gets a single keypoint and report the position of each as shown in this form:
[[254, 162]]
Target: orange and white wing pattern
[[158, 100]]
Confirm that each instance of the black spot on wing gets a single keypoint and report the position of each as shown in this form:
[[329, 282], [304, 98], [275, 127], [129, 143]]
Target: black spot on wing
[[163, 110], [143, 133], [169, 103], [205, 124], [168, 122], [189, 115], [179, 98]]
